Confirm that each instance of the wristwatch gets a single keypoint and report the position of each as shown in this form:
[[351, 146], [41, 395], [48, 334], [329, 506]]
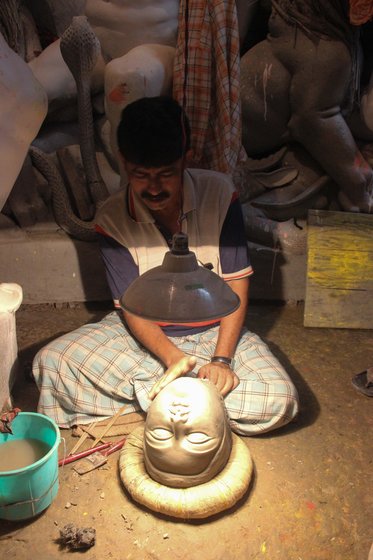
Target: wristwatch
[[223, 360]]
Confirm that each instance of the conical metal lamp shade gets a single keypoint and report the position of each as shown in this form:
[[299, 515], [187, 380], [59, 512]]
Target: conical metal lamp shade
[[179, 291]]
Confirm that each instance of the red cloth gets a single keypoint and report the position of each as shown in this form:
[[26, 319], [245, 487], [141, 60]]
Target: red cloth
[[211, 97]]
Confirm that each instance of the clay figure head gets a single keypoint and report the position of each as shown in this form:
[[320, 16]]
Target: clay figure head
[[187, 438]]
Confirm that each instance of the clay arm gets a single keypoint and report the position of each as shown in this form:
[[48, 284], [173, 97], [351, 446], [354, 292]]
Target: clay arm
[[153, 339], [229, 332], [317, 121]]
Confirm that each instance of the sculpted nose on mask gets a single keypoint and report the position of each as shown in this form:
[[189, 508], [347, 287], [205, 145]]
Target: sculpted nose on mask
[[179, 413]]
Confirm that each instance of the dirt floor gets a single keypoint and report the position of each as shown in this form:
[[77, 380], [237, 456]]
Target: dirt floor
[[311, 494]]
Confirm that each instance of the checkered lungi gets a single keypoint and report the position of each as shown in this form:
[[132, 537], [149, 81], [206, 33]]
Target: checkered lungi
[[93, 371]]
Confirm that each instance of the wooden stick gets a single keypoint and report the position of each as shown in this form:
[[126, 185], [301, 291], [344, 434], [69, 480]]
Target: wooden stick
[[109, 425], [81, 440], [90, 433]]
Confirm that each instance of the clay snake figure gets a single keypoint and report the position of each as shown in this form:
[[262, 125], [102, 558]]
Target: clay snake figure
[[80, 49], [61, 204]]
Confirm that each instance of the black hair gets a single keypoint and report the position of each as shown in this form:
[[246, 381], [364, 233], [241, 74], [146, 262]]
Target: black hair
[[153, 132]]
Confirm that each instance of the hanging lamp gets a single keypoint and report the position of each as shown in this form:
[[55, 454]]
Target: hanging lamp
[[180, 291]]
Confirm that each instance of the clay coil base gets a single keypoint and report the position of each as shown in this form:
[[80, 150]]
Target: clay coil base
[[196, 502]]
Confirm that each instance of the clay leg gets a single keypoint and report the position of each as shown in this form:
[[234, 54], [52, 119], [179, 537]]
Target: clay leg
[[318, 124], [265, 84], [291, 82]]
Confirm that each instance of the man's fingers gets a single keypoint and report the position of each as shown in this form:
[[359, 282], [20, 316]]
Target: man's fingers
[[228, 386], [157, 387], [182, 367], [223, 378], [231, 383], [225, 382], [215, 376]]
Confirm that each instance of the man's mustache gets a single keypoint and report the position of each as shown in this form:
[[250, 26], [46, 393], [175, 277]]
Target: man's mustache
[[161, 196]]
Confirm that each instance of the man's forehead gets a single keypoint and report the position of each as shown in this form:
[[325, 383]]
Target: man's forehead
[[151, 169]]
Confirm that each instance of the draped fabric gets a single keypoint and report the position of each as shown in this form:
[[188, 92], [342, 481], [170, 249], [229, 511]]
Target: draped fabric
[[206, 80]]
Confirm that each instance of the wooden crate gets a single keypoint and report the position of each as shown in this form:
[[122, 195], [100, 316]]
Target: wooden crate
[[339, 284]]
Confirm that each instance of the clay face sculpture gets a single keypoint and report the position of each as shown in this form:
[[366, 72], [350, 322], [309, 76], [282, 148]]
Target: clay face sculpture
[[187, 438]]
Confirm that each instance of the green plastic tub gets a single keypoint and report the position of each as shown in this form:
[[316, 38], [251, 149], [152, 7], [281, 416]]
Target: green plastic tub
[[27, 492]]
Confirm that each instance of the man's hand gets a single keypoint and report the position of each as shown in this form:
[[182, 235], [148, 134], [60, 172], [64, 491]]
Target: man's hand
[[178, 369], [220, 375]]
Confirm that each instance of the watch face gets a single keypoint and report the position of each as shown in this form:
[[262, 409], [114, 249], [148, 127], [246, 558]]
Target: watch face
[[187, 433]]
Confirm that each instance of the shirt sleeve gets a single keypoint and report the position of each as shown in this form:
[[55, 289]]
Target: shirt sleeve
[[234, 255], [120, 267]]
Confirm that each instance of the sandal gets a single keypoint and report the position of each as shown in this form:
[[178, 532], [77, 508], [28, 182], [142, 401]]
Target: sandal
[[363, 382]]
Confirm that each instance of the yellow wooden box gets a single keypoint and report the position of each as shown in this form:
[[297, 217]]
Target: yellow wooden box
[[339, 286]]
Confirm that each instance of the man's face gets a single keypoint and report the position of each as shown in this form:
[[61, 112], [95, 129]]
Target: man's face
[[158, 187]]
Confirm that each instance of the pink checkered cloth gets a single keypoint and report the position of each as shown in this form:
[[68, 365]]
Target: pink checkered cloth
[[210, 95]]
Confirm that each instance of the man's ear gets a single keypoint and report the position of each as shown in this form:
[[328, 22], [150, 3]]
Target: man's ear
[[122, 161], [188, 156]]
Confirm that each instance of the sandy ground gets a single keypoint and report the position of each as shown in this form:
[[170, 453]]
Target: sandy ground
[[311, 494]]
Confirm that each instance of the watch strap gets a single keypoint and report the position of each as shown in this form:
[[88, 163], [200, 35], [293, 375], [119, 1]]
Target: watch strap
[[222, 359]]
